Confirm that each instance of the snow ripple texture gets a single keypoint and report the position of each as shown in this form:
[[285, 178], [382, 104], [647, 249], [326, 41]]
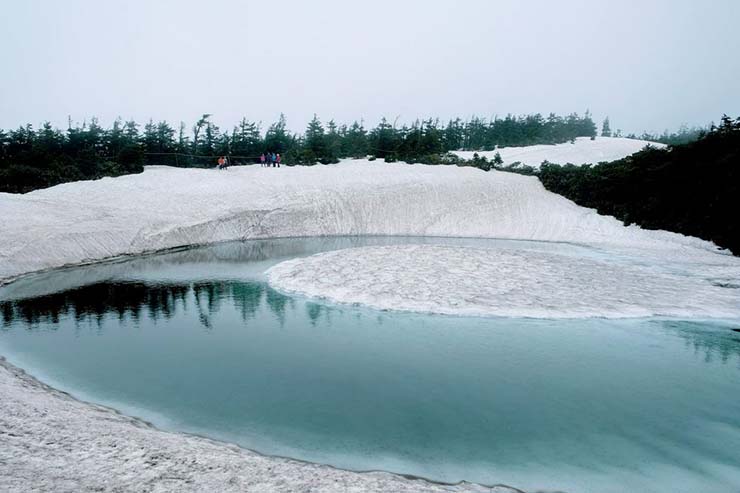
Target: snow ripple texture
[[474, 281]]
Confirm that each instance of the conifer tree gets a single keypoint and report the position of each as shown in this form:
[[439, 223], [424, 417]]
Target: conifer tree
[[606, 131], [277, 138], [197, 128]]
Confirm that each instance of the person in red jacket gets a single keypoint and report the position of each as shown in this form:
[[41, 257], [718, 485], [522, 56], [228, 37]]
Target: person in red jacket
[[221, 162], [277, 160]]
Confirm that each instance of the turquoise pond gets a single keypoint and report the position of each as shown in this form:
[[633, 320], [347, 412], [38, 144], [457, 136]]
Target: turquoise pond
[[196, 341]]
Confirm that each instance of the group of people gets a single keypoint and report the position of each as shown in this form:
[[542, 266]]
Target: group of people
[[270, 159], [266, 160]]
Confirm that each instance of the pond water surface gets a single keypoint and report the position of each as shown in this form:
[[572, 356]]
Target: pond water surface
[[196, 341]]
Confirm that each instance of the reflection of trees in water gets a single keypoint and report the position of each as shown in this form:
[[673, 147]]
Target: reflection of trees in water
[[133, 299], [97, 300], [247, 298], [155, 301], [314, 312], [720, 342], [277, 302]]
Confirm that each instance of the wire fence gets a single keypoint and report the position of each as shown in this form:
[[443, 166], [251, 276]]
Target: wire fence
[[197, 160], [181, 159]]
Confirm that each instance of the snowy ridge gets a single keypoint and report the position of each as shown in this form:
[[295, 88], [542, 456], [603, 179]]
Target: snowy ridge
[[454, 280], [583, 151], [169, 207]]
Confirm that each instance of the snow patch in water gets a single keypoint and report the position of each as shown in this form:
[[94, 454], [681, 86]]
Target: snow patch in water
[[496, 282]]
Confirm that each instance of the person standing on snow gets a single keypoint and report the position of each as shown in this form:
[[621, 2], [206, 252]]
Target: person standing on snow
[[273, 158], [262, 160], [277, 159], [221, 161]]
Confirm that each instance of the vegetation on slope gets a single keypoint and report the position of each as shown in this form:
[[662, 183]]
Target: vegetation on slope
[[691, 188]]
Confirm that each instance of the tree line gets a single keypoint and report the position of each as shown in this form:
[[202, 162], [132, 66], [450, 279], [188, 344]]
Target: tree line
[[37, 158]]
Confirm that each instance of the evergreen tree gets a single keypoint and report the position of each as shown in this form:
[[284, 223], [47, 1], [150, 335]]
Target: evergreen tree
[[183, 141], [197, 129], [211, 139], [588, 128], [130, 133], [606, 131], [333, 141], [316, 144], [115, 137], [383, 140], [277, 138], [149, 138], [354, 141], [453, 135]]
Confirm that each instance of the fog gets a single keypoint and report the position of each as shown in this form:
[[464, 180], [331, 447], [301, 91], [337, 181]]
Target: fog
[[648, 65]]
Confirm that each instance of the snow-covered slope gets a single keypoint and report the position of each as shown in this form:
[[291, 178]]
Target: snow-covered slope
[[583, 151], [170, 207]]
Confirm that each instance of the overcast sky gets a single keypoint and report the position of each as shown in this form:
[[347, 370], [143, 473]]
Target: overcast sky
[[647, 64]]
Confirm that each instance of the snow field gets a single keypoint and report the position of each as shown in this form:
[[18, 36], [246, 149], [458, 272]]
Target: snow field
[[583, 151]]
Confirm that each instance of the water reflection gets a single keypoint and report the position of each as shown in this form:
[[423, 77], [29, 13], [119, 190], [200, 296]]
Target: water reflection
[[722, 344], [130, 300]]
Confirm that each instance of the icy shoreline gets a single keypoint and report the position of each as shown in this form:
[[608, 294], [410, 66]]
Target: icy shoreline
[[49, 441]]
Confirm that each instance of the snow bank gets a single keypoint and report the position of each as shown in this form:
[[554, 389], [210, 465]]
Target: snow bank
[[474, 281], [169, 207], [583, 151], [52, 442]]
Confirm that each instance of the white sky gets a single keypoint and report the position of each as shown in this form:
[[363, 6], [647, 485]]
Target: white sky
[[649, 65]]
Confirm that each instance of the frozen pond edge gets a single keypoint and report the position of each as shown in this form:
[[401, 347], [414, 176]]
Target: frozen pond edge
[[53, 442]]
